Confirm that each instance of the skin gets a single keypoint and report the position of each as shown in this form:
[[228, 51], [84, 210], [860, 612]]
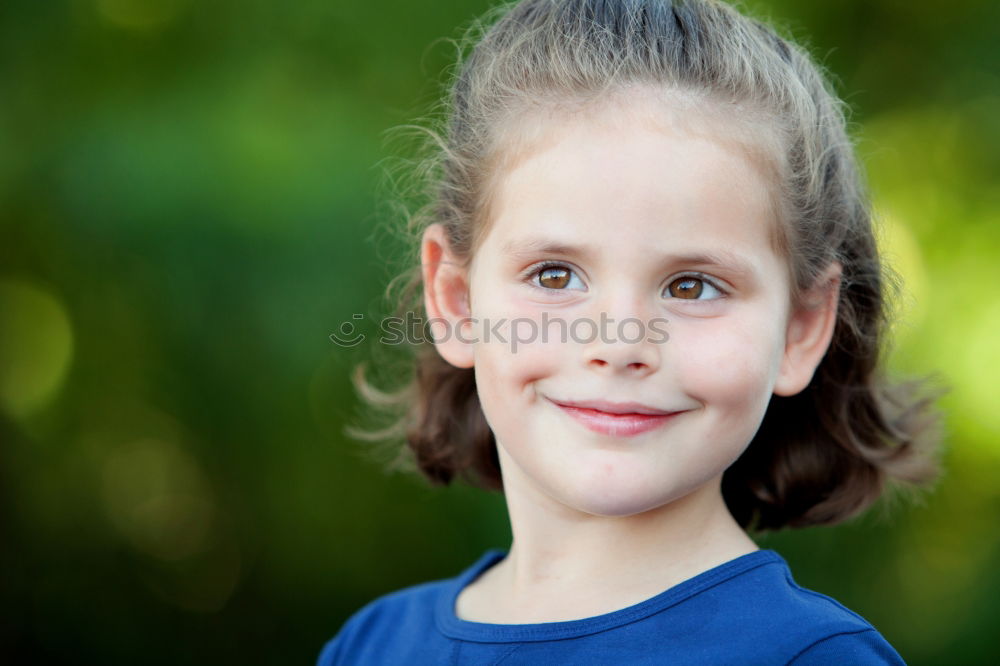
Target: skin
[[603, 522]]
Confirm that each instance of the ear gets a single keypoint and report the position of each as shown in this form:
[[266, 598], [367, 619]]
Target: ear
[[446, 298], [810, 329]]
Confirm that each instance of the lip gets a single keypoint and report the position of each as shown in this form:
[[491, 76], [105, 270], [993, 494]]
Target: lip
[[621, 423], [609, 407]]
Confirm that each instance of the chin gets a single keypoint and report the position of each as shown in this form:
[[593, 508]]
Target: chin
[[632, 493], [619, 507], [621, 501]]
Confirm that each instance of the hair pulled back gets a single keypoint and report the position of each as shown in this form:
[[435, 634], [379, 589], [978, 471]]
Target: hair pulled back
[[819, 457]]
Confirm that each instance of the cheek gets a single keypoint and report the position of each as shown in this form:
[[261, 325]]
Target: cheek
[[510, 356], [517, 342], [726, 364]]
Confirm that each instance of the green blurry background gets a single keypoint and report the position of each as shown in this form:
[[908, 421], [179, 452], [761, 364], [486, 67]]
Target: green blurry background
[[188, 200]]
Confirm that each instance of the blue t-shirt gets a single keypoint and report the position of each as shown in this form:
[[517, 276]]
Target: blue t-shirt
[[746, 611]]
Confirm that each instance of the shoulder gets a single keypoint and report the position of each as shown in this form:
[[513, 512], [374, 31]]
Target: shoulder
[[401, 626], [860, 647], [777, 591], [842, 636], [402, 612], [782, 622]]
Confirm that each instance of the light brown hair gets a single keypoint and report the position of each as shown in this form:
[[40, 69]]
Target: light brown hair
[[820, 456]]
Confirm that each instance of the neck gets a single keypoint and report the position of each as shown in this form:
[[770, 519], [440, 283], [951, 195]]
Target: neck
[[564, 564]]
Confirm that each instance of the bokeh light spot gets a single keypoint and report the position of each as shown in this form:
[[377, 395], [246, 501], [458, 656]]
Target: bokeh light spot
[[158, 499], [140, 14], [901, 251], [980, 358], [36, 347]]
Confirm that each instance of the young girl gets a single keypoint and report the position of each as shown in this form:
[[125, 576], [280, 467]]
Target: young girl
[[659, 312]]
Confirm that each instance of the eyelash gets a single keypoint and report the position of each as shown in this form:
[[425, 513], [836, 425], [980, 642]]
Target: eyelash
[[538, 268]]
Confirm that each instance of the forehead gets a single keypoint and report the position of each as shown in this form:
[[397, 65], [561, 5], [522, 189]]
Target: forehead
[[630, 173], [534, 124]]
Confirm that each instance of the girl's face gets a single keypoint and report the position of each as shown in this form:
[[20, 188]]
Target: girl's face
[[613, 220]]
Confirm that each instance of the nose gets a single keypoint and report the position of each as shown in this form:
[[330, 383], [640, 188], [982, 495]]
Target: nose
[[633, 358], [624, 344]]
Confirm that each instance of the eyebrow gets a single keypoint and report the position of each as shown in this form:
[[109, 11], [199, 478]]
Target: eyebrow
[[719, 258]]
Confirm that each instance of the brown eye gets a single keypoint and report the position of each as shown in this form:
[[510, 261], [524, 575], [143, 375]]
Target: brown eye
[[686, 287], [554, 278], [694, 288]]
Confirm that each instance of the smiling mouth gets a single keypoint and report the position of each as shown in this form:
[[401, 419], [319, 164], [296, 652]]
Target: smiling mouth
[[616, 425]]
